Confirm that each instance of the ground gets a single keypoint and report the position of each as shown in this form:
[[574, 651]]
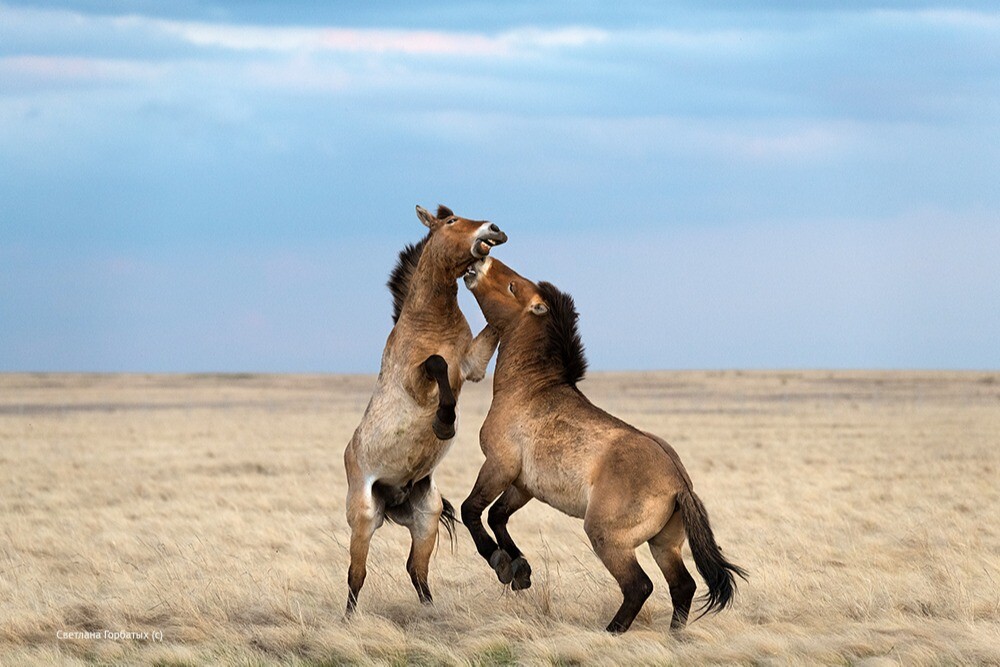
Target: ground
[[208, 512]]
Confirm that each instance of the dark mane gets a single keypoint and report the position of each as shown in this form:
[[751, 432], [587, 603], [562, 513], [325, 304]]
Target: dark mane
[[399, 279], [562, 340]]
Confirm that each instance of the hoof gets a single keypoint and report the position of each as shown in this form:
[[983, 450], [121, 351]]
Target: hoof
[[500, 562], [443, 431], [521, 572], [616, 628]]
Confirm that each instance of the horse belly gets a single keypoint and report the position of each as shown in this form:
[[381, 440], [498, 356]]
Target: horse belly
[[397, 442], [557, 486]]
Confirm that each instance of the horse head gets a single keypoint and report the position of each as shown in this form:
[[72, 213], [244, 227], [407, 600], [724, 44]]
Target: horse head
[[455, 242], [504, 295]]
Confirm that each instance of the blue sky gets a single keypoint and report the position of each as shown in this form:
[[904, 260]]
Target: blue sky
[[223, 186]]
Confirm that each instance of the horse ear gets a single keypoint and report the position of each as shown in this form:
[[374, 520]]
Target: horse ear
[[425, 217], [538, 306]]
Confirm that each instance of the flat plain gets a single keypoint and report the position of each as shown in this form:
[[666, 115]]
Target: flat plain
[[208, 512]]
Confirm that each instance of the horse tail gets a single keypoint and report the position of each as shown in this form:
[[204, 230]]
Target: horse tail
[[719, 574], [399, 508], [448, 520]]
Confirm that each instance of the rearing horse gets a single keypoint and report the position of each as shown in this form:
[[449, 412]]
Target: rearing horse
[[543, 439], [410, 421]]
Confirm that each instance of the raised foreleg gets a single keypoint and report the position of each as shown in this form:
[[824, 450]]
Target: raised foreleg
[[436, 369], [478, 356], [493, 479], [512, 500]]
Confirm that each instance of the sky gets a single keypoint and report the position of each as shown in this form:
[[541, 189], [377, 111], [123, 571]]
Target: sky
[[209, 186]]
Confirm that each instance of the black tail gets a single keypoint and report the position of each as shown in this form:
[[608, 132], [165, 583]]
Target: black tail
[[399, 509], [718, 573], [448, 520]]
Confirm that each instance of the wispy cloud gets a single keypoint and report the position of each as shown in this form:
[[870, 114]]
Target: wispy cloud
[[308, 40], [28, 24], [964, 19], [30, 71]]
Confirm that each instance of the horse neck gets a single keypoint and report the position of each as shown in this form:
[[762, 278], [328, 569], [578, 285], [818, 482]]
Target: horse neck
[[433, 294], [522, 365]]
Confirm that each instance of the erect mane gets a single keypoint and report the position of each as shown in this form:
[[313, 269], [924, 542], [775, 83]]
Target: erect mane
[[562, 338], [402, 274]]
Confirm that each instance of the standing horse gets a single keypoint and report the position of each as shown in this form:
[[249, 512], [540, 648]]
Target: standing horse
[[410, 421], [544, 439]]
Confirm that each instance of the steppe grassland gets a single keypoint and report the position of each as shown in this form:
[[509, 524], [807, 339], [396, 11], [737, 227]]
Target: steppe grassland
[[210, 509]]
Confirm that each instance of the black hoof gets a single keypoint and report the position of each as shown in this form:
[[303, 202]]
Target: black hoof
[[444, 431], [616, 628], [500, 562], [521, 572]]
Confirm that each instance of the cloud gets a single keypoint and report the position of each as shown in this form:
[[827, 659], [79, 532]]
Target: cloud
[[953, 18], [32, 72], [299, 40], [845, 65], [25, 26]]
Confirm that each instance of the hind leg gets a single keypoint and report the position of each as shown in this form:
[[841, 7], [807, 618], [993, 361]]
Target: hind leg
[[420, 513], [509, 502], [666, 550], [364, 515], [623, 566]]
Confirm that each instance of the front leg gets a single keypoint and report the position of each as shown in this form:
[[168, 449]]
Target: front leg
[[478, 356], [512, 500], [436, 369], [492, 480]]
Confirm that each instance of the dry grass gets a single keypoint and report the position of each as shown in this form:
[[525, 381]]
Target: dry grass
[[211, 509]]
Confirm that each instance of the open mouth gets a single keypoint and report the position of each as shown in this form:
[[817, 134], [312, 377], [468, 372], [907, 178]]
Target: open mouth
[[488, 237], [481, 248], [471, 275]]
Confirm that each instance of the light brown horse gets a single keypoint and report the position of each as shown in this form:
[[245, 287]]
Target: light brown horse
[[410, 421], [543, 439]]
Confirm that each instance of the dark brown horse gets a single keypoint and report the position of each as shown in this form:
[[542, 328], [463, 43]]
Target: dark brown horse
[[543, 439], [410, 421]]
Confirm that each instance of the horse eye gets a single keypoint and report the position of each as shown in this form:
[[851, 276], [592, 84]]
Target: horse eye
[[510, 288], [453, 221]]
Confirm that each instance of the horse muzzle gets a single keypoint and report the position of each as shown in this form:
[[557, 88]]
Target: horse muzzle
[[474, 272], [488, 236]]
